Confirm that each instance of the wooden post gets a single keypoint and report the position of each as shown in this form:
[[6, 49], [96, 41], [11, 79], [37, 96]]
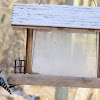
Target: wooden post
[[70, 2], [29, 42], [98, 73], [61, 93], [98, 55], [98, 3]]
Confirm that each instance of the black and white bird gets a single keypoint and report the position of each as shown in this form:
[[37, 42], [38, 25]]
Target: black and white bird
[[4, 82]]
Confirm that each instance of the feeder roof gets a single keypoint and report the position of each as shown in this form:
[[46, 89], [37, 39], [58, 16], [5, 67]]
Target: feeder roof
[[55, 16]]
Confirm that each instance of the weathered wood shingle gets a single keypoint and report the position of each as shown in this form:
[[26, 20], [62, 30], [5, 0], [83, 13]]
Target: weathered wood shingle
[[56, 16]]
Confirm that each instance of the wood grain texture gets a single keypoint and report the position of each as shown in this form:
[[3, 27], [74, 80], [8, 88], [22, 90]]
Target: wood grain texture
[[62, 81], [98, 47], [56, 16], [78, 30], [28, 68], [98, 74]]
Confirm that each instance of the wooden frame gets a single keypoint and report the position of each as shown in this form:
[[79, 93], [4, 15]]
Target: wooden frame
[[59, 16], [37, 79], [98, 74], [62, 81]]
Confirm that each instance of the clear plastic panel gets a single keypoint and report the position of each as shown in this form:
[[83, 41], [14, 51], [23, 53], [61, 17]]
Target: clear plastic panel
[[64, 54]]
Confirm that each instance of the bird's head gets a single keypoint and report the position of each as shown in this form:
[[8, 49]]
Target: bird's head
[[0, 71]]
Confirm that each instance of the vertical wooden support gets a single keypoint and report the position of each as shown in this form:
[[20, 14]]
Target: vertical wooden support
[[29, 41], [98, 73]]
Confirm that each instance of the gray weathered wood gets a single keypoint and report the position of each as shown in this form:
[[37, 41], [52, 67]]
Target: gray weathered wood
[[61, 93], [45, 80], [56, 16], [69, 2]]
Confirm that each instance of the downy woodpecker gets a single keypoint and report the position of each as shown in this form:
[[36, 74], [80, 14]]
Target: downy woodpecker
[[4, 82]]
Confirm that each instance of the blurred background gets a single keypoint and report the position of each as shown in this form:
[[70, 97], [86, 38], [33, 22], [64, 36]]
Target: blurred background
[[13, 46]]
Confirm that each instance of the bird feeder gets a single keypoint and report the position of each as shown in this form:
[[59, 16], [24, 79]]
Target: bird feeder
[[57, 50]]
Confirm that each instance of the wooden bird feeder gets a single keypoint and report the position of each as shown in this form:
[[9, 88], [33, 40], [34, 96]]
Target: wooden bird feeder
[[57, 50]]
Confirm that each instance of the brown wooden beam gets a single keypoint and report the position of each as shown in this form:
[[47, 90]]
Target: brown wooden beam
[[29, 41], [62, 81], [98, 72], [79, 30]]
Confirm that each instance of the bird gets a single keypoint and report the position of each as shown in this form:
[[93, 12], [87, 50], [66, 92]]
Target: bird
[[4, 83]]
